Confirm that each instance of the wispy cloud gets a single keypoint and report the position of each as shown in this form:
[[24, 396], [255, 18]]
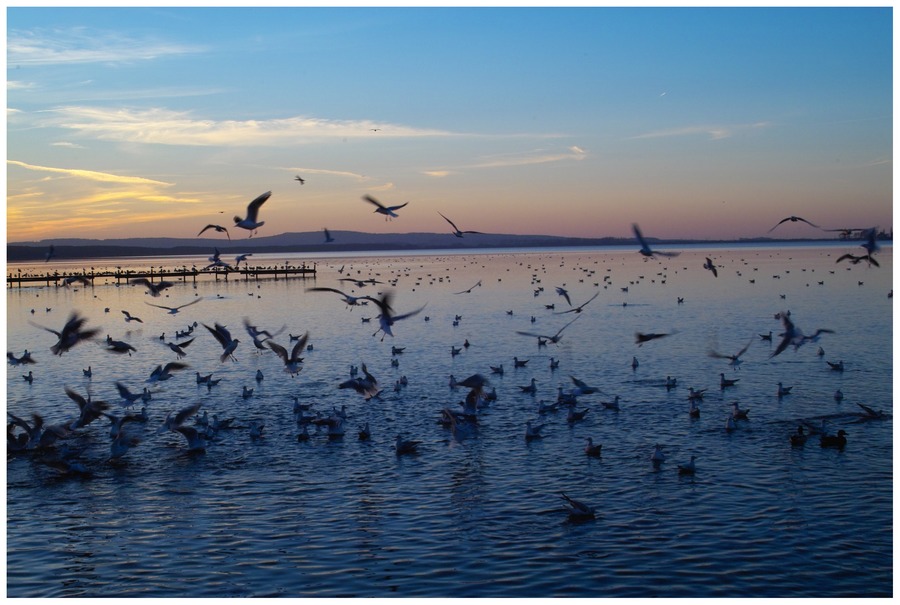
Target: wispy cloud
[[104, 177], [85, 45], [713, 132], [18, 85], [66, 144], [437, 173], [530, 158], [339, 173], [166, 127]]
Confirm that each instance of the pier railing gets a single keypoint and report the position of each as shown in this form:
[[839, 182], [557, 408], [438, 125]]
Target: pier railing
[[88, 276]]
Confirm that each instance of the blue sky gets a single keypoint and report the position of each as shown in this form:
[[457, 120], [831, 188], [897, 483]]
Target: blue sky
[[697, 123]]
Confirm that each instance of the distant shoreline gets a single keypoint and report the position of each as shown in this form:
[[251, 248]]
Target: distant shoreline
[[311, 242]]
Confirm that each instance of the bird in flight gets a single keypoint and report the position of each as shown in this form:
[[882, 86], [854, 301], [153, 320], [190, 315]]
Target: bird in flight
[[250, 223], [350, 300], [293, 362], [793, 219], [388, 211], [580, 307], [299, 178], [130, 317], [456, 230], [218, 228], [552, 339], [228, 343], [734, 360], [174, 310], [154, 289], [640, 338], [470, 289], [328, 238], [387, 319], [71, 333], [645, 247], [711, 266]]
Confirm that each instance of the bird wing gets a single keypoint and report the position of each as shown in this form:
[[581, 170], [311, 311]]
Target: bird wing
[[405, 315], [372, 200], [204, 229], [392, 208], [159, 306], [196, 300], [81, 401], [253, 207], [452, 224], [639, 235], [220, 333], [174, 365], [298, 348], [279, 350]]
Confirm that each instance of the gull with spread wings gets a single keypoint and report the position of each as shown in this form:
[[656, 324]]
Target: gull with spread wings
[[388, 211], [456, 230], [251, 223]]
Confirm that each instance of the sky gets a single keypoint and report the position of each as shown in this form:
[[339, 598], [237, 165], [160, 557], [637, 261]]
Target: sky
[[699, 123]]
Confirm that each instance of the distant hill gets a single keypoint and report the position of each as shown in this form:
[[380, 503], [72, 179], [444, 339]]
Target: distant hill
[[308, 241], [344, 241]]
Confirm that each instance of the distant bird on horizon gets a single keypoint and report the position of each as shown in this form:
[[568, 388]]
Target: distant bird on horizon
[[328, 238], [645, 247], [300, 179], [793, 219], [388, 211], [250, 223], [456, 230], [218, 228]]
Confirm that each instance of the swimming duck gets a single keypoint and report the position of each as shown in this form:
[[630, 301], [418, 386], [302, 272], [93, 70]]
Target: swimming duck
[[783, 390], [838, 441], [592, 449]]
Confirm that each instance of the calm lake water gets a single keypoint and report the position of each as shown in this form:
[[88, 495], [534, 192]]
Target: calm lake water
[[479, 516]]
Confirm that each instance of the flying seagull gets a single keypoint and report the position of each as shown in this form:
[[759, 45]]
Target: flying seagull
[[793, 219], [552, 339], [645, 247], [328, 238], [711, 266], [218, 228], [579, 308], [250, 223], [174, 310], [154, 289], [299, 178], [228, 343], [456, 230], [470, 289], [387, 211], [71, 333]]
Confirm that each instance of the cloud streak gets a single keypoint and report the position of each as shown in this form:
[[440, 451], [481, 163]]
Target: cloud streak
[[166, 127], [91, 175], [530, 158], [84, 45], [712, 132]]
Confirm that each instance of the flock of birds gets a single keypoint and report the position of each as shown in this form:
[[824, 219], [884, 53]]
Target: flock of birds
[[49, 441]]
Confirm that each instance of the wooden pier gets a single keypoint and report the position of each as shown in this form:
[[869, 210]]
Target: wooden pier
[[87, 277]]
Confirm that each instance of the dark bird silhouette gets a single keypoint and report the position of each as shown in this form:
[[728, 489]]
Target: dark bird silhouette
[[793, 219], [792, 335], [388, 211], [857, 259], [552, 339], [456, 230], [228, 343], [734, 360], [387, 318], [470, 289], [300, 179], [251, 223], [711, 266], [218, 228], [154, 289], [328, 238], [640, 338], [645, 247], [50, 253], [174, 310], [118, 346], [578, 511], [71, 334], [292, 362], [579, 308]]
